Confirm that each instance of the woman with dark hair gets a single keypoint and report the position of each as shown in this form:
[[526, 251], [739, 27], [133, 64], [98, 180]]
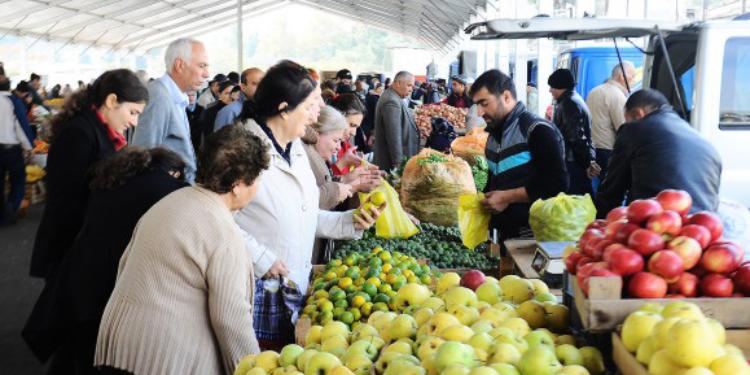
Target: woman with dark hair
[[89, 128], [208, 117], [183, 301], [66, 318], [285, 219], [354, 111]]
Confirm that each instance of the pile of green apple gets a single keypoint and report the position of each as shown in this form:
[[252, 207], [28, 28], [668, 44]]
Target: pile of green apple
[[679, 339], [510, 326], [353, 287]]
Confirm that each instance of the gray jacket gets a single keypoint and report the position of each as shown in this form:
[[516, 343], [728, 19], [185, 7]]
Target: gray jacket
[[396, 134], [164, 123]]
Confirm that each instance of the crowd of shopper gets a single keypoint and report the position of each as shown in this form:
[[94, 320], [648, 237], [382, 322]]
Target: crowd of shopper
[[181, 225]]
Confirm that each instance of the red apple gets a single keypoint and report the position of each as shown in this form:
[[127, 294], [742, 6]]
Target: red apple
[[716, 285], [599, 224], [710, 220], [665, 222], [721, 257], [621, 231], [617, 214], [641, 209], [584, 259], [667, 264], [688, 249], [675, 200], [647, 285], [739, 254], [625, 262], [571, 262], [675, 296], [697, 232], [742, 279], [598, 251], [645, 242], [472, 279], [596, 273], [588, 236], [607, 255], [687, 285], [585, 270]]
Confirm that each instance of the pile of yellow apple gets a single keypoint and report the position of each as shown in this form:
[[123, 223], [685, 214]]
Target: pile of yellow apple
[[352, 288], [679, 339], [510, 326]]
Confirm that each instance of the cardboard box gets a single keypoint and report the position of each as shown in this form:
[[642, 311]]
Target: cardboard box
[[605, 309], [628, 365]]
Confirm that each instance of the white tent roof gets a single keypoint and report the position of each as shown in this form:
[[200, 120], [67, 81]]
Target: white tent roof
[[139, 25]]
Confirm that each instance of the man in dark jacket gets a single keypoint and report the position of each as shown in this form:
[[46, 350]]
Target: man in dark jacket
[[573, 118], [658, 150], [524, 154]]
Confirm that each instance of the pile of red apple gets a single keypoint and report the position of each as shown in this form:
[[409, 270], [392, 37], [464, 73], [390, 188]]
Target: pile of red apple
[[661, 251]]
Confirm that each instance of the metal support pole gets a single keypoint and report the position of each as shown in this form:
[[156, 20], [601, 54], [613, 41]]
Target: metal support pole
[[240, 52], [545, 56]]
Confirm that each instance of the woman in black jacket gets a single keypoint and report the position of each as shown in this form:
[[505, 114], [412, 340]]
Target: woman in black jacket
[[88, 129], [66, 318]]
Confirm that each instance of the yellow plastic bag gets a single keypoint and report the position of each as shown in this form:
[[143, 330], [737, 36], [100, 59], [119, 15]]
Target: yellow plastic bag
[[473, 220], [393, 221]]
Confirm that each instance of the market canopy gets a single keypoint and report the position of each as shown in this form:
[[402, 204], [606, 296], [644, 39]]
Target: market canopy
[[144, 24]]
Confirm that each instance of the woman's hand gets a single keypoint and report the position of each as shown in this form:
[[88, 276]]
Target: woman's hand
[[345, 191], [363, 179], [349, 159], [278, 268], [365, 219]]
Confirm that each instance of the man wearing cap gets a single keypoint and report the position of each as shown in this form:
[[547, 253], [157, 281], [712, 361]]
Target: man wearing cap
[[573, 118], [344, 81], [212, 94], [459, 97]]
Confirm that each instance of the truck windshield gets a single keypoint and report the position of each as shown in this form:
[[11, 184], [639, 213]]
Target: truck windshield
[[735, 84]]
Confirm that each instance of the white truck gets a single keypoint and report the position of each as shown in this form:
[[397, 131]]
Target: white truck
[[706, 75]]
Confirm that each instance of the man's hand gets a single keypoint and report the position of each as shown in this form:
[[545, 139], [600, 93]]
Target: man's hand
[[496, 201], [278, 268], [593, 170], [366, 219]]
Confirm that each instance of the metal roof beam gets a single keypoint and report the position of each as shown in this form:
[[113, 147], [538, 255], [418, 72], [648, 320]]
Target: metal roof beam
[[388, 24], [120, 12], [166, 39], [349, 12], [88, 22], [192, 21]]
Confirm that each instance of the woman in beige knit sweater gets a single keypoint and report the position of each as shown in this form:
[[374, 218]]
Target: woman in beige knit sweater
[[183, 301]]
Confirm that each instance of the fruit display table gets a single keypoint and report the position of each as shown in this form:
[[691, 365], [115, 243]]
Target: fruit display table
[[521, 252]]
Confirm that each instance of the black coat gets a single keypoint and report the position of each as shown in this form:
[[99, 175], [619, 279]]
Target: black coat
[[81, 142], [573, 118], [660, 151], [81, 287]]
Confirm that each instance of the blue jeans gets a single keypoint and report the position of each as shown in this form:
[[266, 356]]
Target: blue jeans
[[11, 163]]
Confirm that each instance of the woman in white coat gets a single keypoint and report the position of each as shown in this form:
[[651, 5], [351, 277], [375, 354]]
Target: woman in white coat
[[284, 218]]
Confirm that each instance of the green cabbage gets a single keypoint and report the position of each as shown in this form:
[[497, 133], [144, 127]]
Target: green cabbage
[[562, 218]]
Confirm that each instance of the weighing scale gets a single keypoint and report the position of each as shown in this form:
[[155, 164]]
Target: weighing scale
[[548, 262]]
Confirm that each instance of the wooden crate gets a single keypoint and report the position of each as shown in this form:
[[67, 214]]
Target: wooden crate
[[301, 328], [628, 365], [604, 309]]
